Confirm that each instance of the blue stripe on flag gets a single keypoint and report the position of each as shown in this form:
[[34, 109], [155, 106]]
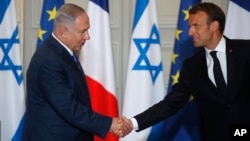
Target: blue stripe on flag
[[104, 4], [3, 6], [243, 3], [142, 4], [19, 133]]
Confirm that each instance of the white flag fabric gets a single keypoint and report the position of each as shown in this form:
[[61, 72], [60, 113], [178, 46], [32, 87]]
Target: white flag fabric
[[97, 60], [144, 84], [238, 19], [12, 98]]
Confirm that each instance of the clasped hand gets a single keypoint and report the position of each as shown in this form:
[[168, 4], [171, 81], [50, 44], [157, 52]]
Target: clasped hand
[[121, 126]]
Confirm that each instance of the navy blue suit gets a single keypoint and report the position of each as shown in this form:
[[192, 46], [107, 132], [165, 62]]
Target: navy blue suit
[[58, 100], [218, 111]]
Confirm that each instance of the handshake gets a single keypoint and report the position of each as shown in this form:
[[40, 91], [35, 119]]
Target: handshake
[[121, 126]]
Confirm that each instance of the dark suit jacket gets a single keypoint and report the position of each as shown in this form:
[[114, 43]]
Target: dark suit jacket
[[58, 101], [218, 111]]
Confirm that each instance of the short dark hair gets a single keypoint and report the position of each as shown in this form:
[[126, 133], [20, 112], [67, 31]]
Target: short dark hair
[[213, 12]]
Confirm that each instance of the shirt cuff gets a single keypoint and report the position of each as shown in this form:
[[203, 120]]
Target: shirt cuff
[[135, 123]]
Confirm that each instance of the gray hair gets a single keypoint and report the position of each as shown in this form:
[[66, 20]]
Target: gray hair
[[66, 15]]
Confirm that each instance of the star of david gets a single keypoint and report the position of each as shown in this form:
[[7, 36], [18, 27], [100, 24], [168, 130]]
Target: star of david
[[6, 63], [143, 62]]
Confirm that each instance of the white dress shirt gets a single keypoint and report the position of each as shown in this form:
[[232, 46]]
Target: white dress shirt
[[221, 55]]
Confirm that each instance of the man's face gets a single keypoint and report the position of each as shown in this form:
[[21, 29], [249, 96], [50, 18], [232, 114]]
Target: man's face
[[77, 34], [200, 30]]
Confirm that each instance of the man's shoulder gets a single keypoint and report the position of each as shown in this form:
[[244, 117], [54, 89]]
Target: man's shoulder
[[237, 41]]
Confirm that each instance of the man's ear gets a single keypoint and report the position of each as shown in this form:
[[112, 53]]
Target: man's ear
[[63, 31], [214, 25]]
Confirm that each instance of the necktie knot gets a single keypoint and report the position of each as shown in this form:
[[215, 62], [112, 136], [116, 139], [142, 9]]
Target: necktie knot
[[213, 54]]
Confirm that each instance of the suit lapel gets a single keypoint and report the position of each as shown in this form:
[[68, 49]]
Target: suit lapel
[[204, 70], [64, 54], [230, 68], [229, 56], [204, 73], [79, 65]]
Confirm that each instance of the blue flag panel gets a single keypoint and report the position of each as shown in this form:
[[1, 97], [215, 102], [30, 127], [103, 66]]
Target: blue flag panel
[[184, 125], [243, 3], [49, 10]]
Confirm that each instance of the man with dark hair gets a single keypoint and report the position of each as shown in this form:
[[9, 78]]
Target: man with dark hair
[[218, 78]]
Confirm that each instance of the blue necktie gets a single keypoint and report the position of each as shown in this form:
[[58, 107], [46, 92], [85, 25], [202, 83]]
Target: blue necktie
[[218, 76], [76, 61], [74, 57]]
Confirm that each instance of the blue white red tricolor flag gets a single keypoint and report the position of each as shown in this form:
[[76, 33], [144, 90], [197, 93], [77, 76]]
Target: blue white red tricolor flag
[[97, 60], [238, 19]]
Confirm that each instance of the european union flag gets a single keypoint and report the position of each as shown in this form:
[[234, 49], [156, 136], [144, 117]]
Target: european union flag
[[49, 10], [184, 125]]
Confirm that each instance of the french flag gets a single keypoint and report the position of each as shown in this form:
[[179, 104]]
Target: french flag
[[238, 19], [97, 60]]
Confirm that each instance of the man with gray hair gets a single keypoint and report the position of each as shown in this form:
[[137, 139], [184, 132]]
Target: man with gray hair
[[58, 100]]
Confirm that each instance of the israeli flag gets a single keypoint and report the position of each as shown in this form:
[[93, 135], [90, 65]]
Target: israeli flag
[[144, 84], [12, 98]]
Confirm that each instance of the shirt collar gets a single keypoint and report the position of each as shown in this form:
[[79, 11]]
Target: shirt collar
[[221, 47], [67, 48]]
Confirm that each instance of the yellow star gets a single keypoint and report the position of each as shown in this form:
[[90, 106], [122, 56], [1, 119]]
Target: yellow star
[[52, 14], [175, 77], [174, 56], [177, 34], [40, 33], [186, 13]]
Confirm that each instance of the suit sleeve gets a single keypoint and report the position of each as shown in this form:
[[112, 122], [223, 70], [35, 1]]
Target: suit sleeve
[[64, 91], [174, 101]]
